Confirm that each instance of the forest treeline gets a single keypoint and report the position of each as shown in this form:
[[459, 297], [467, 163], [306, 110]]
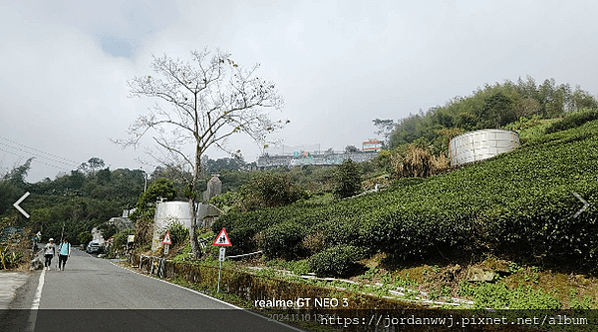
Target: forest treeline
[[73, 203], [492, 106]]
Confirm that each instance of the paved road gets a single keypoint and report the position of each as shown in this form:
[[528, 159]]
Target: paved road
[[10, 281], [94, 294]]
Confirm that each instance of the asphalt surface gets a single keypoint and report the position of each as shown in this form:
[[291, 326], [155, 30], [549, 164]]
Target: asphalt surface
[[95, 294], [9, 283]]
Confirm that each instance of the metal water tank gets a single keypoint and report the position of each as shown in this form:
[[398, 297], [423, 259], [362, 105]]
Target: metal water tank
[[166, 214], [481, 144]]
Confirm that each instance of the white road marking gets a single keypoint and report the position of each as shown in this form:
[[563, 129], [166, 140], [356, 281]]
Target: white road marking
[[212, 298], [36, 300], [38, 293]]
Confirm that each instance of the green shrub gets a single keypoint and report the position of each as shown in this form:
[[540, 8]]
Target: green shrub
[[178, 233], [120, 238], [9, 258], [337, 230], [227, 201], [404, 182], [267, 272], [337, 261], [299, 267], [269, 189], [146, 204], [532, 299], [347, 179], [85, 238], [283, 240], [573, 120]]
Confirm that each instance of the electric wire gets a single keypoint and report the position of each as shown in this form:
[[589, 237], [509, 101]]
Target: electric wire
[[39, 153], [37, 156], [36, 161], [47, 159]]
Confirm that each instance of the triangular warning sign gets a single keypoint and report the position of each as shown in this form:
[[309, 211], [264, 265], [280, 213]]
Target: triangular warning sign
[[167, 238], [222, 239]]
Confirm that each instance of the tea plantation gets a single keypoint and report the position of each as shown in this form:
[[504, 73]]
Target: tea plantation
[[518, 205]]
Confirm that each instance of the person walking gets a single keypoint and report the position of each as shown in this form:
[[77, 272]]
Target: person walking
[[65, 253], [49, 252]]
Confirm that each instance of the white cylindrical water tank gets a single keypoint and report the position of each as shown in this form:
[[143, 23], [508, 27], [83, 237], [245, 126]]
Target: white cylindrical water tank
[[166, 214], [481, 144]]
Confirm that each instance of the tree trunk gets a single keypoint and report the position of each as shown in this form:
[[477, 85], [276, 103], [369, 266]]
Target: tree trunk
[[194, 198], [193, 229]]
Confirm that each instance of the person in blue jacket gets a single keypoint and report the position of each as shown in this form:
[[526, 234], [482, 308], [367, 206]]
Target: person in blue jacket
[[64, 254]]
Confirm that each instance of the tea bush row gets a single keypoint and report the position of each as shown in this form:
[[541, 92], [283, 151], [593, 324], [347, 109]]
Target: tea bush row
[[337, 261]]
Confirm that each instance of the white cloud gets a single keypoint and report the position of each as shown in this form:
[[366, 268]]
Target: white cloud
[[338, 64]]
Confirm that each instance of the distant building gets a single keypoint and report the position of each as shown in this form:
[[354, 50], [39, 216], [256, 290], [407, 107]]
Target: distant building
[[287, 156], [121, 223], [97, 236], [371, 145]]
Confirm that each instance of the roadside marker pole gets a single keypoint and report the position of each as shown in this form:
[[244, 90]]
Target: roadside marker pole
[[222, 241]]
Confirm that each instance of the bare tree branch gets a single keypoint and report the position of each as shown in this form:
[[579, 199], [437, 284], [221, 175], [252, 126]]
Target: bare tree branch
[[209, 99]]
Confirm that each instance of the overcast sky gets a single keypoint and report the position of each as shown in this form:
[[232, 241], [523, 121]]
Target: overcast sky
[[338, 64]]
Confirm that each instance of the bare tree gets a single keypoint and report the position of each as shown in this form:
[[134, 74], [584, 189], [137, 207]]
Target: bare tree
[[385, 128], [209, 99]]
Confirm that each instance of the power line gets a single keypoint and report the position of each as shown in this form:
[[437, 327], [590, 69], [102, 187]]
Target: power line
[[37, 156], [52, 157], [36, 161]]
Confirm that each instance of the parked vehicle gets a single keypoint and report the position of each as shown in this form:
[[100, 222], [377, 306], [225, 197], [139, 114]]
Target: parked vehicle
[[95, 248]]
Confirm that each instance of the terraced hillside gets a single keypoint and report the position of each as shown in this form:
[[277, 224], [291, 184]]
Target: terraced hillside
[[520, 205]]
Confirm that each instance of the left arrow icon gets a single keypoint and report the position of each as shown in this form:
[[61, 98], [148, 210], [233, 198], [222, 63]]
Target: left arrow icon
[[16, 205]]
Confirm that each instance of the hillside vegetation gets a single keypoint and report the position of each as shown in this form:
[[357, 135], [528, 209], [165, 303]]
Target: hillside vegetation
[[518, 205], [71, 204]]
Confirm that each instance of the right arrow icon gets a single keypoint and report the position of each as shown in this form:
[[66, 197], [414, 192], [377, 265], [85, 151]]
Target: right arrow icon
[[585, 205]]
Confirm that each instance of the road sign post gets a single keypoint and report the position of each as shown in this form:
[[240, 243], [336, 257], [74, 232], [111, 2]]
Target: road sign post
[[222, 241], [222, 254], [220, 260]]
